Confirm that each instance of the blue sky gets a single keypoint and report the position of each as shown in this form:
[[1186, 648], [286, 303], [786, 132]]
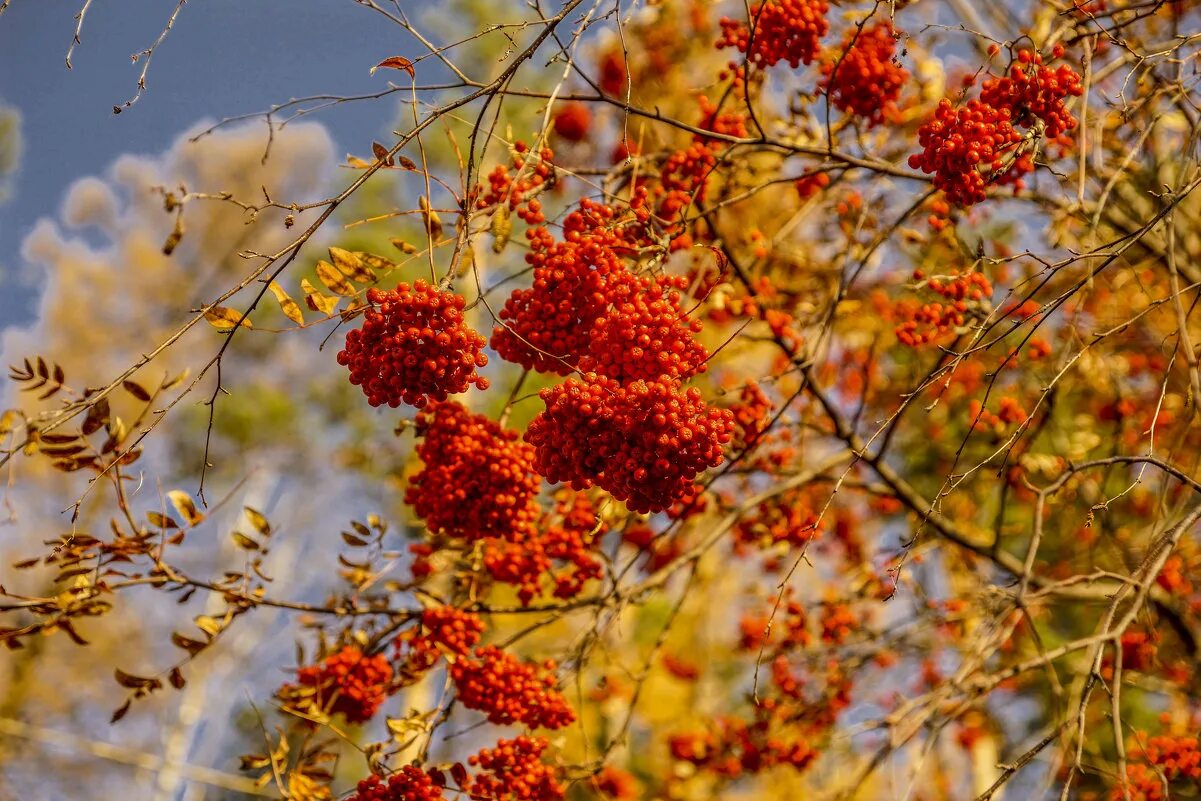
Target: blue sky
[[224, 57]]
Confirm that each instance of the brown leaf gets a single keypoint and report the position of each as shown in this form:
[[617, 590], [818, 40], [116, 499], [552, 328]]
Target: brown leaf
[[381, 154], [193, 647], [96, 418], [176, 678], [136, 389], [136, 682], [395, 63], [244, 542], [406, 162], [120, 711]]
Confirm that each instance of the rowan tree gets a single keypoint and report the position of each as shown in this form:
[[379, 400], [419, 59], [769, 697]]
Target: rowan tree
[[767, 400]]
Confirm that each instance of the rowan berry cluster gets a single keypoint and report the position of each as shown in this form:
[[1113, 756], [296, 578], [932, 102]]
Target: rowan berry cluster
[[518, 188], [509, 691], [969, 147], [410, 783], [348, 683], [809, 185], [645, 334], [784, 30], [643, 442], [547, 327], [1034, 93], [572, 122], [930, 322], [477, 480], [1168, 759], [1009, 411], [563, 552], [514, 771], [978, 144], [788, 519], [863, 78], [414, 347], [444, 629]]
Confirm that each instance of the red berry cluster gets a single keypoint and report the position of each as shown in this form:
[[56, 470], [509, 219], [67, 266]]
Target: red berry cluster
[[413, 347], [509, 691], [349, 683], [410, 783], [444, 629], [784, 30], [788, 518], [518, 188], [644, 334], [572, 122], [614, 78], [967, 148], [547, 327], [1168, 759], [809, 185], [978, 144], [514, 771], [864, 78], [1035, 93], [477, 480], [643, 442], [930, 322], [563, 552]]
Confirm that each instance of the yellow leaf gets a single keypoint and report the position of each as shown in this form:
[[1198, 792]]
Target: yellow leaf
[[290, 309], [351, 266], [333, 280], [224, 319], [317, 301], [186, 508], [257, 520]]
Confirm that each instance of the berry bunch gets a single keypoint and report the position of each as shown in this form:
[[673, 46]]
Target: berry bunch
[[477, 480], [929, 322], [645, 334], [969, 147], [1168, 759], [643, 442], [410, 783], [1035, 93], [784, 30], [518, 189], [572, 122], [863, 78], [348, 683], [546, 327], [509, 691], [514, 771], [413, 347], [444, 629]]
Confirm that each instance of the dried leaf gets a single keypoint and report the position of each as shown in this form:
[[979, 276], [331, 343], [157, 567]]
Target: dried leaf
[[381, 154], [193, 647], [224, 319], [289, 307], [97, 417], [406, 162], [316, 300], [208, 625], [186, 508], [351, 266], [356, 162], [403, 246], [176, 678], [333, 280], [120, 711], [136, 389], [257, 520], [160, 520], [395, 63], [244, 542], [433, 223]]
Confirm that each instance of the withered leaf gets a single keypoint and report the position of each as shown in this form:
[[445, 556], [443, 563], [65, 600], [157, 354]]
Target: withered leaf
[[333, 280], [136, 389], [289, 307], [244, 542], [381, 154], [184, 505], [96, 418], [225, 319], [176, 678], [395, 63], [406, 162], [160, 520], [317, 301], [257, 520], [351, 265], [120, 711], [136, 682], [356, 162]]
